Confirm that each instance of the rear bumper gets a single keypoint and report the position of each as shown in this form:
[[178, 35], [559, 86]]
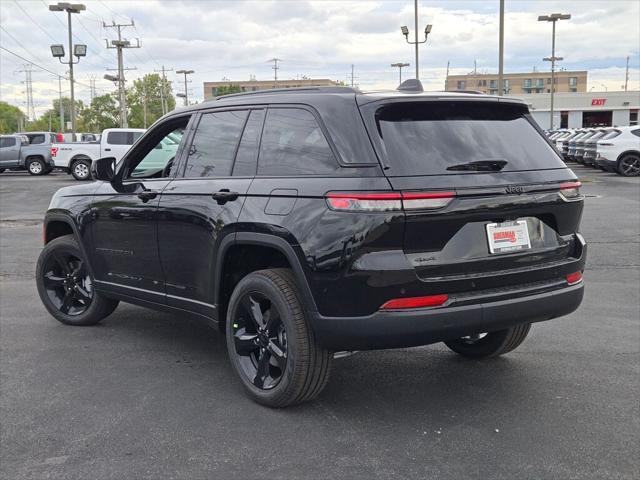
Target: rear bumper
[[608, 165], [387, 329]]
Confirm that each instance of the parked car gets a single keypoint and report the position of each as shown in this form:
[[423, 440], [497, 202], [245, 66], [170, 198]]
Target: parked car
[[566, 141], [75, 158], [27, 151], [589, 147], [621, 152], [581, 144], [573, 144], [320, 220]]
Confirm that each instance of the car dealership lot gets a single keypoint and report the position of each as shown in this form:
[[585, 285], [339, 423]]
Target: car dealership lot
[[152, 395]]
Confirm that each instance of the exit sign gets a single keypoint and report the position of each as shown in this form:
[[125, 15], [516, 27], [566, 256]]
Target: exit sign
[[595, 102]]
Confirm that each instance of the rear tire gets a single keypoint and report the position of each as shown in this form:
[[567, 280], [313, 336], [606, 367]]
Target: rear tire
[[66, 287], [271, 345], [629, 165], [491, 344], [81, 169], [35, 166]]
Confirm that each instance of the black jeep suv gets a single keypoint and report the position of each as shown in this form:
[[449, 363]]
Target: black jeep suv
[[312, 221]]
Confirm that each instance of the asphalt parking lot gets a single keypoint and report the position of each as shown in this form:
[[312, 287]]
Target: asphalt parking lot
[[152, 395]]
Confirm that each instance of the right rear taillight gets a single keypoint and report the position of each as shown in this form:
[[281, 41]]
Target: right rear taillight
[[571, 191], [54, 151], [388, 201]]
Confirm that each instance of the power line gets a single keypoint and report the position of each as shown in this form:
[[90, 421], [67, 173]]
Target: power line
[[36, 23], [20, 44], [61, 22]]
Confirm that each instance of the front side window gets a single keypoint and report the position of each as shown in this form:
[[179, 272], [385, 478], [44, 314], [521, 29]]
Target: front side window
[[214, 144], [293, 144], [154, 163]]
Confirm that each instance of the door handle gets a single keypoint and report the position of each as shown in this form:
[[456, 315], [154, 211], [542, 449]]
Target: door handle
[[107, 149], [223, 196], [147, 195]]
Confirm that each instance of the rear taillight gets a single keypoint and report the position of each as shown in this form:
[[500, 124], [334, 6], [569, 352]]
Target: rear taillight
[[571, 191], [415, 302], [573, 278], [388, 201], [54, 151]]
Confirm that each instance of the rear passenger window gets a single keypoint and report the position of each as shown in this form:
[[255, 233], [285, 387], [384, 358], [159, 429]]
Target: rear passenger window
[[293, 144], [7, 142], [122, 138], [248, 151], [214, 144]]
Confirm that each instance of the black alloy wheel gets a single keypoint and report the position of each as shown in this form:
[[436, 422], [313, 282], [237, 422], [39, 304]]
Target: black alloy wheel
[[260, 341], [629, 166], [67, 283], [66, 287]]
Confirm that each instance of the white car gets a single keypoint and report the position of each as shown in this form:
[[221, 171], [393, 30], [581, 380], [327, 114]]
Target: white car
[[620, 153], [75, 158]]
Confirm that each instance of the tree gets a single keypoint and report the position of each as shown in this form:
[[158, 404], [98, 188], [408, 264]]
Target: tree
[[227, 89], [144, 100], [10, 118], [102, 113]]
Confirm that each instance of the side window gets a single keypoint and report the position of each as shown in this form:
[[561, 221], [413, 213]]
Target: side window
[[155, 156], [248, 150], [293, 144], [214, 144], [36, 139], [636, 132], [122, 138], [7, 142]]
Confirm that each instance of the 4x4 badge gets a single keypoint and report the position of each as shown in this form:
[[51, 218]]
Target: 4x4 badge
[[514, 189]]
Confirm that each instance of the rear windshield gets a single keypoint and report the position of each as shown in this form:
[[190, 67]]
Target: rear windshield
[[425, 138]]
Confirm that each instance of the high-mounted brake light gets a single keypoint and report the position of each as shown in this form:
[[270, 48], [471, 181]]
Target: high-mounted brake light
[[571, 191], [573, 278], [388, 201], [415, 302]]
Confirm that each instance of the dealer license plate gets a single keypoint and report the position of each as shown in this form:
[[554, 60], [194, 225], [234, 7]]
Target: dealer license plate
[[508, 236]]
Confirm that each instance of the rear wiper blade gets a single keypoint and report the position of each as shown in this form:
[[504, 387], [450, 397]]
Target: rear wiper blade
[[480, 166]]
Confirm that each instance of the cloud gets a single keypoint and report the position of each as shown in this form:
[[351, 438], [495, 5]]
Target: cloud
[[235, 39]]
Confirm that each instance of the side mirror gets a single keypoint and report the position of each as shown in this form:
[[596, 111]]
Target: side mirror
[[103, 169]]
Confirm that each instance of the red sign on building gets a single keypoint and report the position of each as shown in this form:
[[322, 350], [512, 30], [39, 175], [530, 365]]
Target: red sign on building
[[595, 102]]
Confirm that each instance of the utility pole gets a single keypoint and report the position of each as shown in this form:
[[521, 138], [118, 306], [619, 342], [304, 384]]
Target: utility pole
[[626, 75], [120, 44], [78, 50], [275, 71], [400, 65], [553, 18], [60, 106], [163, 99], [92, 88], [501, 51], [186, 90], [352, 75]]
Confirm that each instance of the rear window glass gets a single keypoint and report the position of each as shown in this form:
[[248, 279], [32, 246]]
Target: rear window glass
[[123, 138], [426, 138], [611, 134]]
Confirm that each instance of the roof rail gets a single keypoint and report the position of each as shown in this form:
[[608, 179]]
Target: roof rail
[[474, 92], [270, 91]]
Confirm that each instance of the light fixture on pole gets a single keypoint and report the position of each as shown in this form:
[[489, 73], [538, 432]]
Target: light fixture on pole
[[405, 32], [553, 18], [78, 51], [400, 65], [186, 91]]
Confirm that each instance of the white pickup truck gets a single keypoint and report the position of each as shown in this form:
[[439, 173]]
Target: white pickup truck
[[75, 158]]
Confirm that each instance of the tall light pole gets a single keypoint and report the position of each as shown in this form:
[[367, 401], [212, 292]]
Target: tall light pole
[[501, 51], [400, 65], [405, 32], [553, 18], [78, 50], [186, 91]]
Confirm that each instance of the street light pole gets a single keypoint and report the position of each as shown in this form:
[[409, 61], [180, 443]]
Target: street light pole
[[501, 51], [78, 51], [405, 32], [553, 18], [186, 93], [400, 65]]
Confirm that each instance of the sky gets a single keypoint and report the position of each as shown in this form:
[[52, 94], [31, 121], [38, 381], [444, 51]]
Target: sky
[[319, 39]]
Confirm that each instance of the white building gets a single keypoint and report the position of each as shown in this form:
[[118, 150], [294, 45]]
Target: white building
[[590, 109]]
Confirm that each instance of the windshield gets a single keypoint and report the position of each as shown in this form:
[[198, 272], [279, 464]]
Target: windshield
[[425, 138]]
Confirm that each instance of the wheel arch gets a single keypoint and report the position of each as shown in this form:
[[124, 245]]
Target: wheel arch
[[272, 252], [59, 224], [79, 156]]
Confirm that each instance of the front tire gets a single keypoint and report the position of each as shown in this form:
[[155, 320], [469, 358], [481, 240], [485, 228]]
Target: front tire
[[66, 287], [271, 345], [629, 165], [490, 344], [81, 169], [35, 166]]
